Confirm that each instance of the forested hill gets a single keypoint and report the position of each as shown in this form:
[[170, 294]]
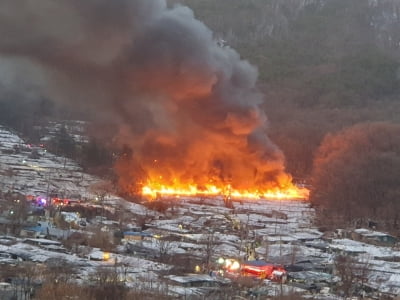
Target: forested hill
[[324, 65], [325, 46]]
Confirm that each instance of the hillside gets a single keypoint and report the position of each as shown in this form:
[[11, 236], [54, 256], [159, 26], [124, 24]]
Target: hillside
[[324, 64], [188, 232]]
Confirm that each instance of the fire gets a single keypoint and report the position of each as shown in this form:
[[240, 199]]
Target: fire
[[154, 189]]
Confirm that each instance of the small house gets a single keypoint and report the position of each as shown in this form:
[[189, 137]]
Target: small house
[[374, 237], [32, 232], [44, 229], [136, 235], [41, 242], [197, 280]]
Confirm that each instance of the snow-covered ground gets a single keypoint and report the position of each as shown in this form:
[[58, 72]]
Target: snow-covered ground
[[20, 172], [280, 231]]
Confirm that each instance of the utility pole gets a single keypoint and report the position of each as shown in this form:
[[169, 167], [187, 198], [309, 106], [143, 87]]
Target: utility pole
[[48, 199], [280, 230], [228, 197]]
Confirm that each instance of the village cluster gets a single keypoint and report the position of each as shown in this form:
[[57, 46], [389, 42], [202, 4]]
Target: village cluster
[[186, 248]]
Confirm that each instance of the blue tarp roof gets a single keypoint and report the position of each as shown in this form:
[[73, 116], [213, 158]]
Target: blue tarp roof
[[36, 228]]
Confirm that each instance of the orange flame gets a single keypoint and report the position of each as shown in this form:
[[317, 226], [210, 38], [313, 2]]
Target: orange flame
[[154, 189]]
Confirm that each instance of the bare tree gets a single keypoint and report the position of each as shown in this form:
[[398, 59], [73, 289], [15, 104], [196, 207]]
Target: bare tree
[[108, 284], [243, 234], [101, 239], [352, 272], [57, 281], [164, 247], [295, 249], [18, 212], [356, 174], [102, 190], [267, 249], [209, 242], [74, 241], [142, 220], [24, 277]]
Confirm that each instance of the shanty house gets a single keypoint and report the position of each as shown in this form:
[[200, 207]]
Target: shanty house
[[136, 235], [374, 237]]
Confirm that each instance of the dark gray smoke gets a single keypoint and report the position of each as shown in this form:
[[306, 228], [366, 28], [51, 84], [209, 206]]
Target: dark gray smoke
[[188, 107]]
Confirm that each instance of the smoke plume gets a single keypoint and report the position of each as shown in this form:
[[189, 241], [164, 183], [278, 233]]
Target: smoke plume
[[188, 107]]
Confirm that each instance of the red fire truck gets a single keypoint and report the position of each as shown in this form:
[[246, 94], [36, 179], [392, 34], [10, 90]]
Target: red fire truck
[[264, 270]]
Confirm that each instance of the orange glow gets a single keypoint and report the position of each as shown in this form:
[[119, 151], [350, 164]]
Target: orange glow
[[106, 256], [154, 189]]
